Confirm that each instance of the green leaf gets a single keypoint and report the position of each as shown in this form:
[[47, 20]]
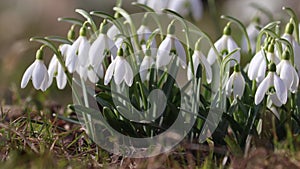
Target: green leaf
[[46, 42], [59, 39], [145, 7], [233, 146], [88, 17], [71, 20]]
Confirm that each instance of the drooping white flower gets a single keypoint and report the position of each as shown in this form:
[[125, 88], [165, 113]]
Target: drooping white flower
[[120, 69], [288, 73], [288, 35], [57, 71], [170, 47], [95, 73], [158, 5], [101, 47], [79, 50], [278, 93], [146, 64], [224, 44], [258, 65], [37, 72], [235, 84], [199, 58], [144, 34]]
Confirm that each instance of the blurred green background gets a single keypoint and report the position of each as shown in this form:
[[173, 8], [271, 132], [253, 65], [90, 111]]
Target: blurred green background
[[22, 19]]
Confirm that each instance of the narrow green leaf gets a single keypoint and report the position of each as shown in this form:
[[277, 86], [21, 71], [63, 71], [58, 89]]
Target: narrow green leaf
[[71, 20], [88, 17], [59, 39], [46, 42]]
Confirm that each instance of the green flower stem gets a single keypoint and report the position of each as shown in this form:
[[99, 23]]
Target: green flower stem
[[87, 118], [243, 29], [264, 31], [289, 46], [295, 20]]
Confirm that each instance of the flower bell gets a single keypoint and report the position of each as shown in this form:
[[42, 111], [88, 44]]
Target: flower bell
[[288, 35], [170, 47], [146, 64], [276, 87], [101, 47], [252, 32], [225, 43], [79, 50], [56, 70], [199, 58], [258, 65], [37, 72], [120, 69], [235, 83], [288, 73]]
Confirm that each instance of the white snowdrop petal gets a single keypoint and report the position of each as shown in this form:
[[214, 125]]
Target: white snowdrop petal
[[52, 69], [145, 65], [189, 72], [207, 67], [261, 71], [64, 49], [38, 74], [231, 44], [181, 53], [109, 73], [254, 65], [61, 78], [212, 55], [83, 52], [281, 90], [45, 83], [262, 89], [120, 70], [163, 53], [27, 75], [228, 87], [285, 74], [295, 83], [129, 74], [275, 100], [238, 85], [96, 52]]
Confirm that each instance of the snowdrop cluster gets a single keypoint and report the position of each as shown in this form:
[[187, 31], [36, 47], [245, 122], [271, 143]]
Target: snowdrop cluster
[[106, 55]]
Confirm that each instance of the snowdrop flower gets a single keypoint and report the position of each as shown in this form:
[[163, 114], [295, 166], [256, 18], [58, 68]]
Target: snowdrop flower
[[146, 64], [157, 5], [79, 50], [288, 35], [276, 86], [57, 71], [258, 65], [144, 34], [120, 69], [185, 7], [225, 43], [252, 32], [288, 73], [169, 47], [101, 47], [235, 84], [37, 71], [94, 73], [199, 58]]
